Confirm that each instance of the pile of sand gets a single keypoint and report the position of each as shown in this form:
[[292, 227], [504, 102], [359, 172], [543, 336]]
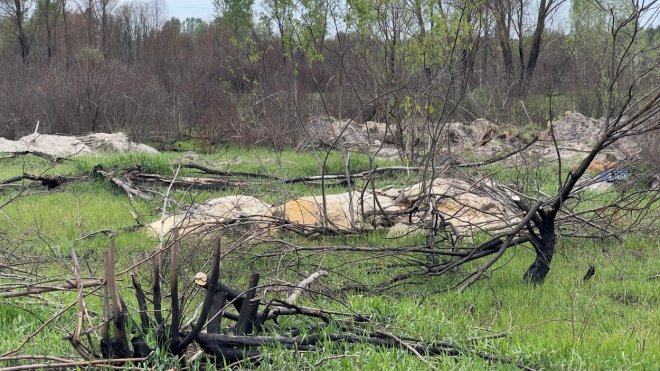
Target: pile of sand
[[222, 210], [480, 138], [575, 135], [466, 208], [64, 146], [343, 134], [308, 211]]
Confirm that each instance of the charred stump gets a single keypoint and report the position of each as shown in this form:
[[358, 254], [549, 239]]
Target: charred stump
[[544, 246]]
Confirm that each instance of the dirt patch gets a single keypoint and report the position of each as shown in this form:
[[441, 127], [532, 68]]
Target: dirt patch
[[309, 210], [460, 204], [576, 135], [63, 146], [467, 208], [199, 218], [370, 137], [331, 133], [480, 138], [12, 146]]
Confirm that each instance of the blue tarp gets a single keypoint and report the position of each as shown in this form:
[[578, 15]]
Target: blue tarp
[[612, 176]]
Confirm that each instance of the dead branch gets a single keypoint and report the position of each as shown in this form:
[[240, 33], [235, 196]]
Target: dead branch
[[80, 313], [125, 184], [223, 345], [74, 365], [409, 347], [174, 292], [303, 285], [25, 357], [34, 290], [111, 232], [49, 181], [207, 170], [116, 346], [208, 300], [188, 182], [248, 313], [48, 157], [362, 174], [46, 323], [307, 179], [141, 299], [156, 290]]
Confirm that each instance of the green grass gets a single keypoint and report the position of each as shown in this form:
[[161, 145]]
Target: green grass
[[609, 322]]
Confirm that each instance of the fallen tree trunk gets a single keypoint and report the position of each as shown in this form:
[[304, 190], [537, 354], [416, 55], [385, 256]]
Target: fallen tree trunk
[[227, 345], [50, 181], [188, 182], [306, 179]]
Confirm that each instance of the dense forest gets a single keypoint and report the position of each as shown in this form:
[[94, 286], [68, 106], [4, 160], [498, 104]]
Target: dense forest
[[259, 71]]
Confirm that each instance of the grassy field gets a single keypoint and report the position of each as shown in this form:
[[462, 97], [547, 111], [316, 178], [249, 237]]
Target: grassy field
[[609, 322]]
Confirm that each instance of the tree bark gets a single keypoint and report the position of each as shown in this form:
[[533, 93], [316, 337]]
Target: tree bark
[[503, 30], [535, 49], [18, 16], [545, 249]]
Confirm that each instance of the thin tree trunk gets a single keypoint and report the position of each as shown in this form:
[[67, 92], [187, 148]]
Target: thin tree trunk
[[23, 42], [535, 49], [503, 35], [545, 249], [66, 35]]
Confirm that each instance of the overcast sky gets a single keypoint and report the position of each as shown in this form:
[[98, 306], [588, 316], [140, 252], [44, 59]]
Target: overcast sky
[[187, 8]]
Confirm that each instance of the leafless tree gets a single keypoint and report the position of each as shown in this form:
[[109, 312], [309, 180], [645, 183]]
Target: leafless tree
[[512, 14], [17, 11]]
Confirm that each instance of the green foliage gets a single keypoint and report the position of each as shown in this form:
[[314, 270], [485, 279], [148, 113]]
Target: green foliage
[[237, 15], [605, 35], [193, 26]]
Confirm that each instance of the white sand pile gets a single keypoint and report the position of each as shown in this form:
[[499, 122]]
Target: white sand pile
[[63, 145]]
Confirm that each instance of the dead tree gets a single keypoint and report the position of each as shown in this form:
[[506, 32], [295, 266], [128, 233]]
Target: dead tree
[[18, 13], [633, 116]]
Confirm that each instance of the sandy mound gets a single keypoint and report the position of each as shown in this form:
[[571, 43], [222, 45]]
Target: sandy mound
[[12, 146], [378, 131], [475, 137], [212, 212], [576, 128], [480, 139], [326, 133], [115, 142], [309, 210], [465, 208], [62, 145], [576, 135]]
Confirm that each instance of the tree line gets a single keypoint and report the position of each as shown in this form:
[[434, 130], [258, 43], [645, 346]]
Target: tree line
[[260, 70]]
